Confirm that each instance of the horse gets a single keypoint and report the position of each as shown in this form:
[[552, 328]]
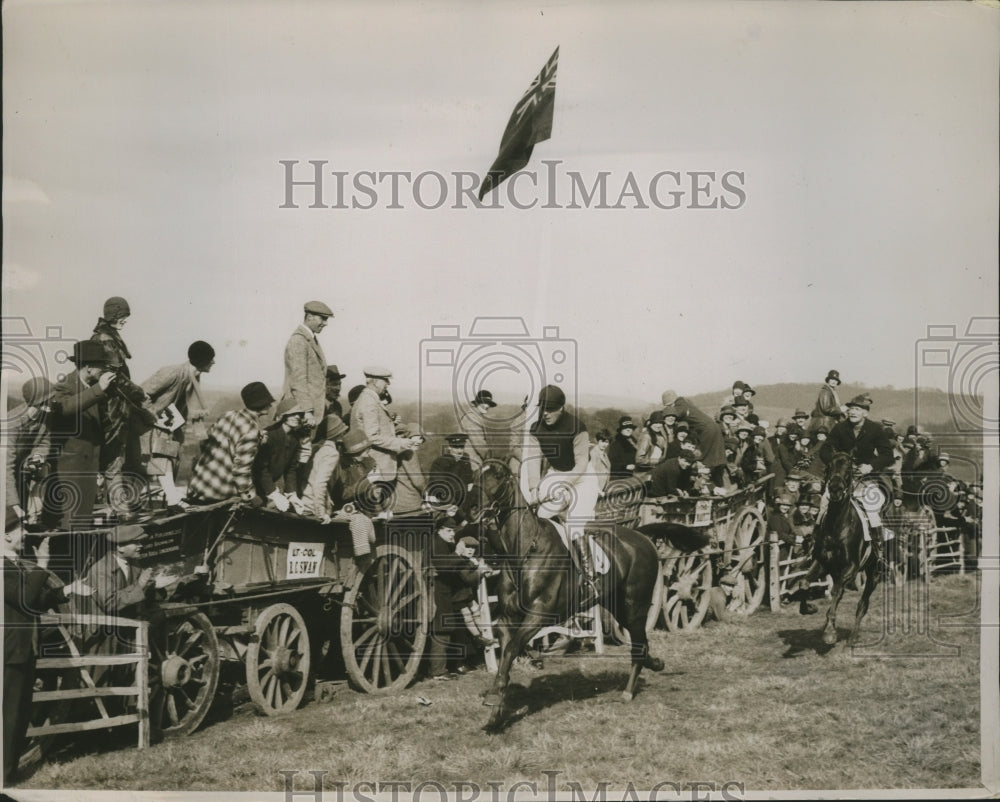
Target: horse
[[840, 548], [536, 589]]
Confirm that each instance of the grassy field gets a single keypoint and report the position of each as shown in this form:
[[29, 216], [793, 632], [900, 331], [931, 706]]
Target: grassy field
[[758, 703]]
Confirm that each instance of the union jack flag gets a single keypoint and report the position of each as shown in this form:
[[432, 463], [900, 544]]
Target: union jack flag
[[530, 123]]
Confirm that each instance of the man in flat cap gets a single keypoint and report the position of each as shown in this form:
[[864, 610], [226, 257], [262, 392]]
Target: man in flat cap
[[451, 475], [370, 417], [274, 466], [224, 469], [305, 363], [475, 424]]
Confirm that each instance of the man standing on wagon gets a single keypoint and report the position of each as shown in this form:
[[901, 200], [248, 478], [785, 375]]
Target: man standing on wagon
[[305, 369], [370, 418]]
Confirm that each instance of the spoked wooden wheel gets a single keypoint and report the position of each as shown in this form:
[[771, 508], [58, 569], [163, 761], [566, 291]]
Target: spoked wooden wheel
[[384, 621], [183, 673], [687, 591], [747, 564], [277, 661]]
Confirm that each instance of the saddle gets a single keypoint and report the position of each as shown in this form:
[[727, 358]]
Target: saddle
[[598, 556]]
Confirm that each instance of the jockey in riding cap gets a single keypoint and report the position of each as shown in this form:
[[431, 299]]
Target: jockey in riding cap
[[555, 475]]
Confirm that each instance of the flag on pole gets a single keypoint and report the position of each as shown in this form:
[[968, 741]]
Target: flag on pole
[[531, 122]]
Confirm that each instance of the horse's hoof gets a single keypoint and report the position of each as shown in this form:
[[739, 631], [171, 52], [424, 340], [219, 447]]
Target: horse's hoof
[[653, 663], [627, 696], [829, 638], [491, 699]]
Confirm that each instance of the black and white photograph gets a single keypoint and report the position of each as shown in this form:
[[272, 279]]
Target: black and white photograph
[[500, 401]]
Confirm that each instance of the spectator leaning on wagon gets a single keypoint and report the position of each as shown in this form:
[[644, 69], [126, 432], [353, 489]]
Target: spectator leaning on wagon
[[31, 458], [224, 468], [26, 594], [621, 452], [674, 477], [369, 417], [475, 424], [704, 431], [170, 391], [277, 458]]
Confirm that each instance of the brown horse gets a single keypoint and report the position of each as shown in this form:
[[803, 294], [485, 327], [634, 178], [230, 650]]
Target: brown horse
[[840, 549], [538, 583]]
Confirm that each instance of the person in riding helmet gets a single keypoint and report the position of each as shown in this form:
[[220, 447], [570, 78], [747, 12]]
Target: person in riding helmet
[[556, 460]]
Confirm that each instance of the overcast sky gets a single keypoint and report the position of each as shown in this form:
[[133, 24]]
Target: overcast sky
[[143, 141]]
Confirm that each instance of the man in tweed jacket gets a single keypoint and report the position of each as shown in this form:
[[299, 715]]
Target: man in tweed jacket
[[305, 363]]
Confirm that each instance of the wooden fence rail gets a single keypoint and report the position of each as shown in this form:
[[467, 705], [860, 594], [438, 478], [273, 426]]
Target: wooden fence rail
[[88, 688]]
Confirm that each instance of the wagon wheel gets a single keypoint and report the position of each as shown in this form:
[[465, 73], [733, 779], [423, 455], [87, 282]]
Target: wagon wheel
[[183, 673], [747, 566], [383, 622], [687, 592], [277, 660]]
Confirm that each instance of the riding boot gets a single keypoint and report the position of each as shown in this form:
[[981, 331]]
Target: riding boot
[[589, 595], [802, 594], [876, 533]]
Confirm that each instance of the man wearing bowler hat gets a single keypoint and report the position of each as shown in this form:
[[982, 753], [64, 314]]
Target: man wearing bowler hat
[[224, 469], [305, 363], [474, 423], [79, 415], [370, 417]]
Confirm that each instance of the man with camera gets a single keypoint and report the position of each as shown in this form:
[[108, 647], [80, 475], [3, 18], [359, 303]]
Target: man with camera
[[79, 424]]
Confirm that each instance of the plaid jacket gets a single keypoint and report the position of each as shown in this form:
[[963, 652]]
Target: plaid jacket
[[223, 470]]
